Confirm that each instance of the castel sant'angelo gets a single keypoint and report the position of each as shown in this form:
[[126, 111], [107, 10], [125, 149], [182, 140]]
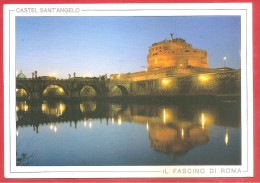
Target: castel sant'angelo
[[169, 58]]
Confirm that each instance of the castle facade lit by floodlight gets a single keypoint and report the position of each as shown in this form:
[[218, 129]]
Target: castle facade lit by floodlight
[[168, 58], [175, 53]]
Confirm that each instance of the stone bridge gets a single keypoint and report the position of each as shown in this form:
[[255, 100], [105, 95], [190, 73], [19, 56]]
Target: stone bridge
[[215, 83], [74, 87]]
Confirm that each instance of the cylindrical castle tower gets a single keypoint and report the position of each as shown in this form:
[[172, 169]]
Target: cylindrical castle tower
[[175, 53]]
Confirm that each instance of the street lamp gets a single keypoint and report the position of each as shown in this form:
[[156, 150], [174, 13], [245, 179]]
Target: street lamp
[[224, 58]]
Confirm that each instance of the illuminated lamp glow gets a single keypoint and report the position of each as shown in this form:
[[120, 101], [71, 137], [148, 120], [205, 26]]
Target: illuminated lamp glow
[[202, 120], [119, 120], [226, 137], [164, 116], [203, 78], [165, 82], [182, 133]]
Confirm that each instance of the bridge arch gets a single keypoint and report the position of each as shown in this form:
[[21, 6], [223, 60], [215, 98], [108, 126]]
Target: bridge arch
[[22, 91], [89, 90], [55, 90], [119, 90]]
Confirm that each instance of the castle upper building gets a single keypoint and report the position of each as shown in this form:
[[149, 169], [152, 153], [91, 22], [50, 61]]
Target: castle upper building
[[168, 58], [177, 53]]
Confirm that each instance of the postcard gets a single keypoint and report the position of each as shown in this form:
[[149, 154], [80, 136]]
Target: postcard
[[128, 90]]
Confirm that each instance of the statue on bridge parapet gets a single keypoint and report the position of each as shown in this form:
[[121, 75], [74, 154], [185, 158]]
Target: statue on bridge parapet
[[34, 75]]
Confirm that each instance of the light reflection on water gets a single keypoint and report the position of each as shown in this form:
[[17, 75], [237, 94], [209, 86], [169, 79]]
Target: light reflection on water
[[101, 133]]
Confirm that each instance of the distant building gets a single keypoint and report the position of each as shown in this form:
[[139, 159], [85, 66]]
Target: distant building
[[21, 75]]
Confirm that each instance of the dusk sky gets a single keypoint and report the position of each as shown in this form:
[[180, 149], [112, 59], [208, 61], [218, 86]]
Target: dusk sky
[[93, 46]]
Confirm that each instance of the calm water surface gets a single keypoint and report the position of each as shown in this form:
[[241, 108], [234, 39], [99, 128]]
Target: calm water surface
[[193, 132]]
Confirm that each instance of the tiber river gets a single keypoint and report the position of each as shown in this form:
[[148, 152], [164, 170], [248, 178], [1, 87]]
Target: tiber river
[[102, 133]]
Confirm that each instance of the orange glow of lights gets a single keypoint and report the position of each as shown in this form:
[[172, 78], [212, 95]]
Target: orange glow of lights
[[203, 78], [26, 107], [147, 126], [164, 116], [62, 108], [44, 106], [165, 82], [202, 120], [51, 126], [182, 133], [81, 106], [119, 120], [226, 137], [55, 129]]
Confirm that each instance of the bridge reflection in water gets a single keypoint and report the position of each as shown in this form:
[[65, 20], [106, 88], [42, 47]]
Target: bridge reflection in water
[[183, 129]]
